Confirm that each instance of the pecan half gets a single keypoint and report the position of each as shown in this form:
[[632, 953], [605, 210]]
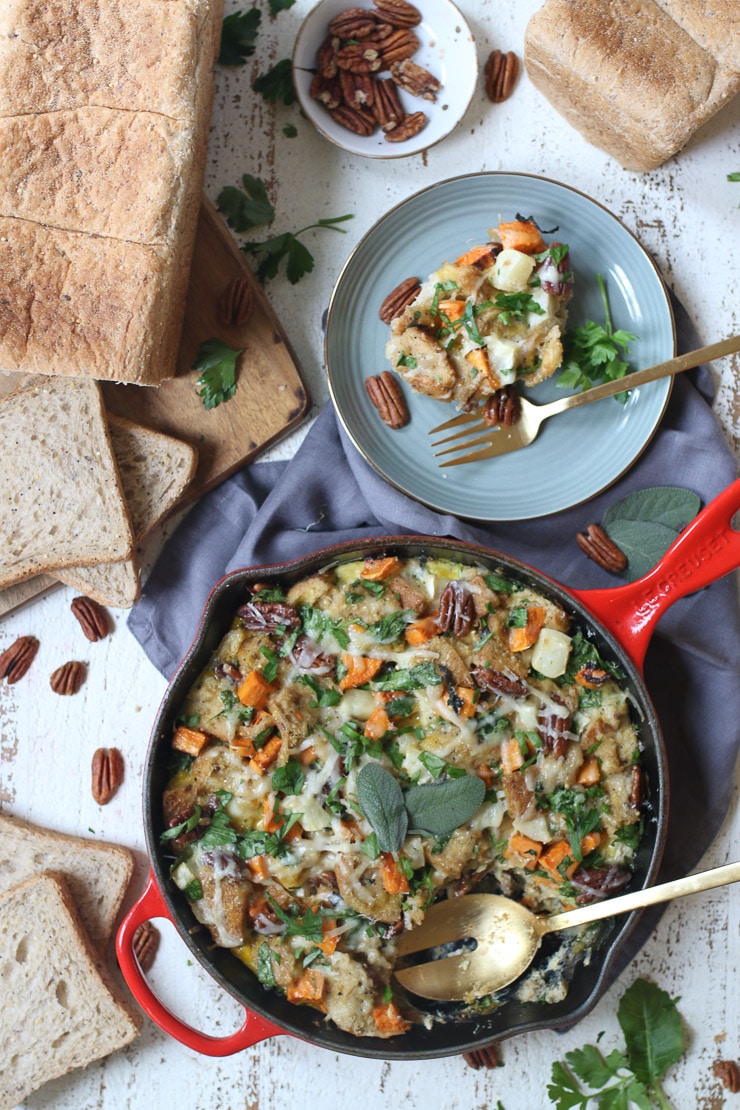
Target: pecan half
[[503, 408], [359, 57], [326, 57], [384, 390], [92, 617], [597, 883], [456, 609], [498, 683], [358, 89], [728, 1074], [359, 120], [398, 47], [407, 128], [327, 90], [500, 72], [236, 303], [387, 107], [552, 729], [399, 12], [353, 23], [68, 678], [145, 944], [107, 774], [15, 660], [597, 545], [405, 292], [487, 1057], [266, 616], [415, 80], [637, 788]]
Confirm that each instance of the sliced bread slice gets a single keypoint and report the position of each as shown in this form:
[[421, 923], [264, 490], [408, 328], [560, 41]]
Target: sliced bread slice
[[96, 873], [155, 471], [60, 1009], [61, 499]]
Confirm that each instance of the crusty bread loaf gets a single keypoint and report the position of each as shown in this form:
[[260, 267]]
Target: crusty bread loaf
[[635, 77], [155, 471], [61, 500], [96, 873], [104, 118], [59, 1008]]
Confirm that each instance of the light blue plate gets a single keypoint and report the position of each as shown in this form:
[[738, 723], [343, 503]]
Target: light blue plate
[[577, 454]]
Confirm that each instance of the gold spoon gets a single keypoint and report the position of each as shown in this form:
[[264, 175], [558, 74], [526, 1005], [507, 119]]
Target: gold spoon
[[507, 935]]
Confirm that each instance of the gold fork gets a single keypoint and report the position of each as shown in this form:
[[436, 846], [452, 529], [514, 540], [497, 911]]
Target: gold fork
[[502, 439]]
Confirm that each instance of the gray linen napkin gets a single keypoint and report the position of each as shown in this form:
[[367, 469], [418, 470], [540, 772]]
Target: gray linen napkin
[[276, 511]]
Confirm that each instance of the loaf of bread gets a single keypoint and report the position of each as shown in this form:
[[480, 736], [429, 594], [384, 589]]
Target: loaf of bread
[[96, 873], [61, 499], [637, 78], [155, 471], [104, 118], [60, 1010]]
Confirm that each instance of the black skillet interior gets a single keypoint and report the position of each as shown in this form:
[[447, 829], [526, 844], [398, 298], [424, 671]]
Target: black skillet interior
[[457, 1033]]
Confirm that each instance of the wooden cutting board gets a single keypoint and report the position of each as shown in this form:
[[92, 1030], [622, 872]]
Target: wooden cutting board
[[271, 396]]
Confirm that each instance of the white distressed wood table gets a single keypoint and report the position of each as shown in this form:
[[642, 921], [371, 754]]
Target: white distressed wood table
[[686, 214]]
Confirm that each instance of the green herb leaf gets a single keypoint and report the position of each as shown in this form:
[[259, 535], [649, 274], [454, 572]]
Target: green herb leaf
[[290, 131], [672, 506], [265, 973], [501, 585], [594, 353], [194, 890], [735, 176], [437, 809], [277, 83], [381, 801], [238, 36], [415, 678], [580, 818], [325, 696], [247, 207], [299, 262], [184, 827], [289, 778], [280, 6], [391, 627], [652, 1031], [317, 623], [217, 364], [407, 360], [516, 306]]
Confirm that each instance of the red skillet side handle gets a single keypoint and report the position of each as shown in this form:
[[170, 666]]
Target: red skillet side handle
[[152, 904], [706, 550]]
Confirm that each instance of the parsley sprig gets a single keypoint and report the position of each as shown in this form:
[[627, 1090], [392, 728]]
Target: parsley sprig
[[595, 352], [654, 1041], [277, 83], [238, 36], [246, 207], [217, 379], [299, 260]]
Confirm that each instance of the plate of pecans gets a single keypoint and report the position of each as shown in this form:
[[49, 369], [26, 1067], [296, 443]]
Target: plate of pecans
[[387, 80], [579, 453]]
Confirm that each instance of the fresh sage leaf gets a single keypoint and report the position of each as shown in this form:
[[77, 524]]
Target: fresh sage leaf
[[438, 808], [643, 543], [381, 800], [669, 505]]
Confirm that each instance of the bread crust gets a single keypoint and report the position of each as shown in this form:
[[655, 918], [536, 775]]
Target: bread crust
[[95, 254], [635, 77]]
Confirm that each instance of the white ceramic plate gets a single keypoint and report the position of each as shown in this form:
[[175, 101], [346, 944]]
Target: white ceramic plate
[[447, 50], [577, 454]]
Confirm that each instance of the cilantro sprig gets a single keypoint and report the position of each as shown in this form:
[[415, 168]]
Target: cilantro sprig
[[654, 1042], [595, 352], [216, 362]]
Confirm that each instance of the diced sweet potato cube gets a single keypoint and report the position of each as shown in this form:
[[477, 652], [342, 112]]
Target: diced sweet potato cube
[[189, 740]]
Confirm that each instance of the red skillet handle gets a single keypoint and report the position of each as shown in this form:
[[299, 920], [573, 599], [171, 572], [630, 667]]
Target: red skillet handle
[[705, 551], [152, 904]]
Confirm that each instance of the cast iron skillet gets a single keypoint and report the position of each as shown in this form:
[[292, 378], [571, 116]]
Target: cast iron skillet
[[619, 621]]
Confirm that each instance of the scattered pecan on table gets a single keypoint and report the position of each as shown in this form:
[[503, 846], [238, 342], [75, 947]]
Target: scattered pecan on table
[[67, 679], [16, 659], [728, 1074], [500, 74], [107, 774], [92, 617]]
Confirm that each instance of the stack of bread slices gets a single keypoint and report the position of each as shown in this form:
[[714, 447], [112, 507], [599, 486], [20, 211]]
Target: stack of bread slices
[[81, 489], [61, 1006]]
